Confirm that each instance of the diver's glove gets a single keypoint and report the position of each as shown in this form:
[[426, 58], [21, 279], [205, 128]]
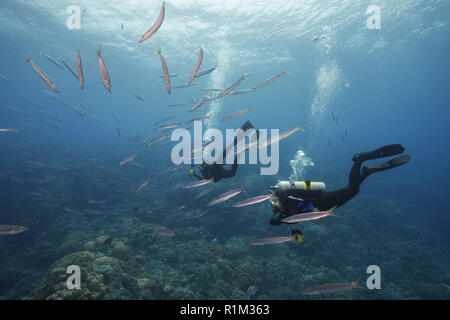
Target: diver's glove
[[298, 236]]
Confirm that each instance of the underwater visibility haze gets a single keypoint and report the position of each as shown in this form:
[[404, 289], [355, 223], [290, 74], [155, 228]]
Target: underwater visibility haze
[[93, 92]]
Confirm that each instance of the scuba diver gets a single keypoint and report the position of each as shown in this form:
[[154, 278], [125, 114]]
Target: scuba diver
[[217, 171], [295, 197]]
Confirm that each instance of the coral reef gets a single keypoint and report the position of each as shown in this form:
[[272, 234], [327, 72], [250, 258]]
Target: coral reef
[[210, 257]]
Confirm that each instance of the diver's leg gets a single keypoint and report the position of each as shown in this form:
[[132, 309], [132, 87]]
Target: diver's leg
[[234, 167], [246, 126], [355, 178], [386, 151], [232, 172], [338, 197]]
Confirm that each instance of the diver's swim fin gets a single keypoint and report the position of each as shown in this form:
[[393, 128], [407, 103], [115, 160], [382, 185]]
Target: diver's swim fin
[[247, 126], [386, 165], [386, 151]]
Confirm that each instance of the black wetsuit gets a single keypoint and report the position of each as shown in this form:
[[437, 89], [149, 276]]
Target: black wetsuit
[[217, 171], [325, 200]]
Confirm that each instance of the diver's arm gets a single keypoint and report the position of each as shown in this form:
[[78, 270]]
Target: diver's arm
[[197, 176], [232, 172], [192, 172]]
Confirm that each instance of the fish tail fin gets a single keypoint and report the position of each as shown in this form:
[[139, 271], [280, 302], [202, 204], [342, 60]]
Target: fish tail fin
[[99, 51], [78, 50], [285, 71], [244, 75], [331, 211], [356, 284], [158, 51], [27, 57], [248, 109], [300, 128], [154, 230]]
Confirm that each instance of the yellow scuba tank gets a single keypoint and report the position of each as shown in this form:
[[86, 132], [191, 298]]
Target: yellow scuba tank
[[288, 186], [304, 191]]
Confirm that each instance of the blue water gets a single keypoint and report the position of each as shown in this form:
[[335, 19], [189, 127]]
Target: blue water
[[387, 86]]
